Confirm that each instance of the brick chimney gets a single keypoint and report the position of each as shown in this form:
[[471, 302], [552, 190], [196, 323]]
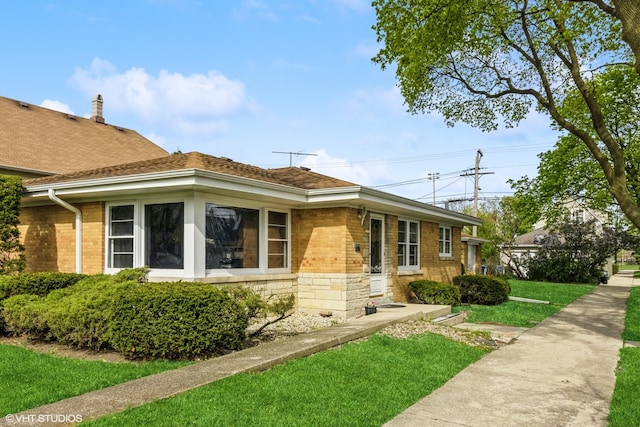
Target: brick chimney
[[96, 109]]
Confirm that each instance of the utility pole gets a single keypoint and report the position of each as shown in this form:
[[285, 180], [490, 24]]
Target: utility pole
[[292, 153], [432, 177], [475, 190]]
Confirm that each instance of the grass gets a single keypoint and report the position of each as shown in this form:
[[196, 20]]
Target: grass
[[29, 379], [524, 314], [632, 319], [360, 384], [624, 410]]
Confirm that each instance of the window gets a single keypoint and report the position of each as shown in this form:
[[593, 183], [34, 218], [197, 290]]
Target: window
[[164, 235], [232, 237], [277, 240], [408, 248], [120, 238], [577, 215], [444, 241]]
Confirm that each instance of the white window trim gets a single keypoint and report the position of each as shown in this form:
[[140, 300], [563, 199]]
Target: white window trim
[[450, 253], [139, 235], [409, 267], [194, 219]]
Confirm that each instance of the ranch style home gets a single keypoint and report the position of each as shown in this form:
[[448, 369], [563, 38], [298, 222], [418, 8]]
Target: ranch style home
[[197, 217]]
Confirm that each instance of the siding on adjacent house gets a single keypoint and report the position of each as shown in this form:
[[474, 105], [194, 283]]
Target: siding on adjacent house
[[49, 236]]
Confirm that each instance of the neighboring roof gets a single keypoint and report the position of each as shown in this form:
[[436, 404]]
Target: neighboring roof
[[532, 238], [474, 240], [45, 141]]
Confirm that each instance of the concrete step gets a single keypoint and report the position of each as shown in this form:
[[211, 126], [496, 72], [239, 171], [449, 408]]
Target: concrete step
[[450, 319]]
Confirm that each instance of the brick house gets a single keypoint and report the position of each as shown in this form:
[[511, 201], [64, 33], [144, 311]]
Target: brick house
[[196, 217], [99, 198]]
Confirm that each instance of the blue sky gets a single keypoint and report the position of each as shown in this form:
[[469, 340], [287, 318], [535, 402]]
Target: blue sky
[[243, 79]]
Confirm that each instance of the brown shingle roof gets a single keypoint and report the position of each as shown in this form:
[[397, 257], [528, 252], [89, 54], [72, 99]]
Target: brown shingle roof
[[38, 138], [304, 178], [293, 177]]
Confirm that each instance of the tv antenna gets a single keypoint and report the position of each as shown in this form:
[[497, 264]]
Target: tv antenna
[[293, 153]]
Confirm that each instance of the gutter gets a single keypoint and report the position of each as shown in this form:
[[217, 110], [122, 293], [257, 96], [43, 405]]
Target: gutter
[[52, 196]]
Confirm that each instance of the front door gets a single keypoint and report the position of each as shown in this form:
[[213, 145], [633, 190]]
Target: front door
[[376, 256]]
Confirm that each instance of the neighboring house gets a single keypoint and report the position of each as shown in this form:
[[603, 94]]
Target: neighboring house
[[529, 243], [37, 141], [471, 254], [201, 218]]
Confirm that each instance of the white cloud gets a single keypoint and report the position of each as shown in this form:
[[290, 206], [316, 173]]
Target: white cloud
[[56, 105], [336, 167], [197, 103]]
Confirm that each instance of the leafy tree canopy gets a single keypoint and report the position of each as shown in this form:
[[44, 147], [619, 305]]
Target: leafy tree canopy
[[488, 61], [569, 172]]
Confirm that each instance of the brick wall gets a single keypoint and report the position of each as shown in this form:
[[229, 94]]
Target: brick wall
[[432, 266], [49, 236], [323, 241]]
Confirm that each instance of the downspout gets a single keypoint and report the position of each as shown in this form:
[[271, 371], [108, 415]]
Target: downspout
[[78, 213]]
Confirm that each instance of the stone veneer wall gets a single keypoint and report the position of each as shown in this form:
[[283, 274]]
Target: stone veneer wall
[[273, 285], [329, 254], [49, 236]]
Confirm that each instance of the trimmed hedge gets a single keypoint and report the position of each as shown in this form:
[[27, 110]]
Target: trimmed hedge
[[77, 315], [430, 292], [177, 321], [35, 284], [172, 320], [482, 290]]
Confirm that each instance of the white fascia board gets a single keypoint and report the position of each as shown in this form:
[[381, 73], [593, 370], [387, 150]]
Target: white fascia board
[[168, 181], [390, 203]]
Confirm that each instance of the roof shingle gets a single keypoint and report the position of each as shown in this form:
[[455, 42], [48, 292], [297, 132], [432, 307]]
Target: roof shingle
[[41, 139]]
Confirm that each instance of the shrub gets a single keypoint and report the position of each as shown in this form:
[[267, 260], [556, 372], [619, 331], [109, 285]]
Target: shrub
[[81, 315], [177, 321], [37, 283], [430, 292], [483, 290], [24, 314], [12, 258]]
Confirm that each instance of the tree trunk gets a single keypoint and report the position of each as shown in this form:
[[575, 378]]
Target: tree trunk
[[628, 11]]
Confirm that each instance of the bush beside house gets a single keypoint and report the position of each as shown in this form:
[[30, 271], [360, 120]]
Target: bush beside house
[[172, 320], [431, 292], [483, 290]]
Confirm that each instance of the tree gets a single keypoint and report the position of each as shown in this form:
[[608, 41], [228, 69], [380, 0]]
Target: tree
[[485, 61], [577, 253], [569, 172], [12, 258]]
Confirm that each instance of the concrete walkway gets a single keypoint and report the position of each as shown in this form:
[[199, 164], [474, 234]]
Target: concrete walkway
[[559, 373]]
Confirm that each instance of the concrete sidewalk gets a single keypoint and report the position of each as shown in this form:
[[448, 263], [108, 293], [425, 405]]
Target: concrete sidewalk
[[559, 373]]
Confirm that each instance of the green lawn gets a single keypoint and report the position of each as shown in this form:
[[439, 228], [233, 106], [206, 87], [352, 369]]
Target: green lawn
[[624, 410], [360, 384], [29, 379], [526, 314]]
